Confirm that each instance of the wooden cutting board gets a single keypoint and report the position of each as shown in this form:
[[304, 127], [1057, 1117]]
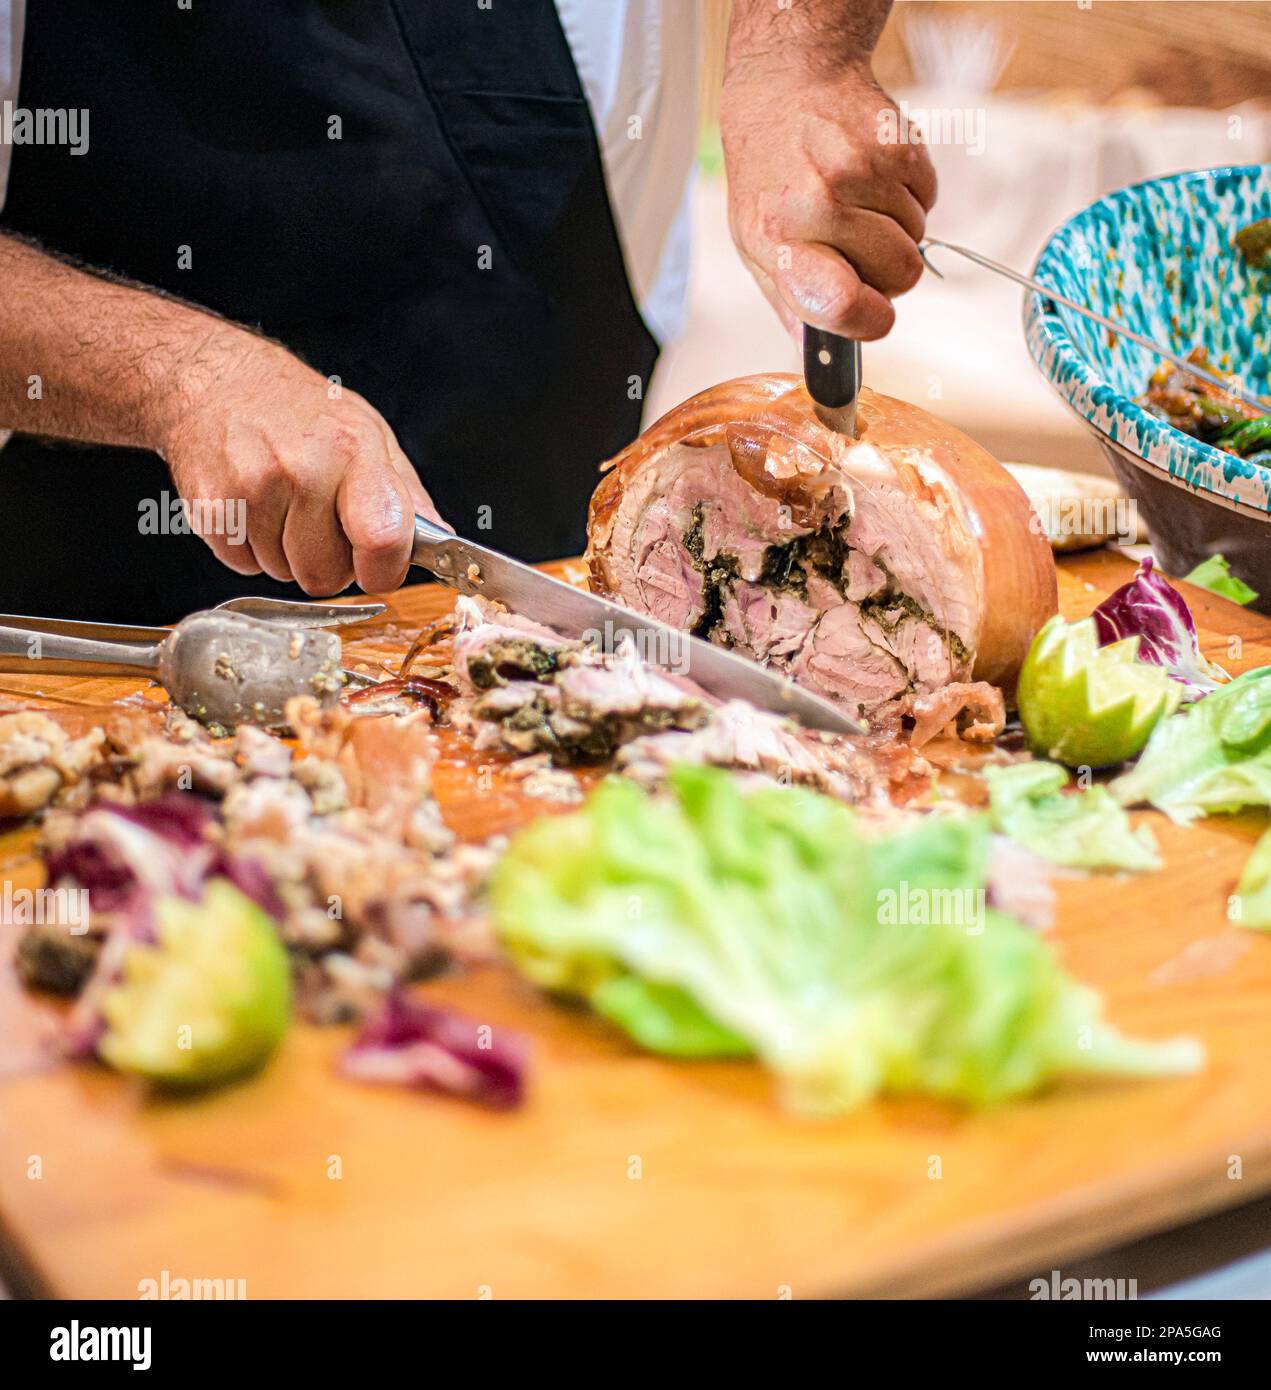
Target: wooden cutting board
[[629, 1176]]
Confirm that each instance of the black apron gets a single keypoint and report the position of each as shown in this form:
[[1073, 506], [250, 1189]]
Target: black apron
[[452, 257]]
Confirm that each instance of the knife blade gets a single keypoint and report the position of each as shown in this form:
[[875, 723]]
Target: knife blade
[[832, 371], [475, 570]]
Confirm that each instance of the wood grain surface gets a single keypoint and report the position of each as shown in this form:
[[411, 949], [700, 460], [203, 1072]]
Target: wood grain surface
[[629, 1176]]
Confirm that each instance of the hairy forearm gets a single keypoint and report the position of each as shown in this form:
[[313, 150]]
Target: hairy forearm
[[326, 491], [825, 34], [84, 357]]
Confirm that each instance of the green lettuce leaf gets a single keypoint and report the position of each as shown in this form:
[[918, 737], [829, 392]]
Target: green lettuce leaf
[[1086, 829], [1213, 757], [1215, 575], [1251, 906], [711, 921]]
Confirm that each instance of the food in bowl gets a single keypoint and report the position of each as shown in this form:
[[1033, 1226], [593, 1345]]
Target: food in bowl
[[1160, 257], [1200, 409], [1254, 242]]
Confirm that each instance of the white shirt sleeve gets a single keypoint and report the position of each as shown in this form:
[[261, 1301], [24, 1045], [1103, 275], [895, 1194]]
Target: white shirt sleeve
[[12, 17], [638, 63]]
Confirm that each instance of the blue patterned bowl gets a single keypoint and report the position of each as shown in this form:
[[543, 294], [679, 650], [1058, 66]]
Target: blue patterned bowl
[[1160, 256]]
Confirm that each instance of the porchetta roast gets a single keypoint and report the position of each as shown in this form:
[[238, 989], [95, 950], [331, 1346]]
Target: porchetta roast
[[873, 570]]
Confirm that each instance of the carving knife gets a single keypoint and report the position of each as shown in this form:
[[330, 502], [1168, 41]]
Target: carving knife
[[832, 371], [574, 613]]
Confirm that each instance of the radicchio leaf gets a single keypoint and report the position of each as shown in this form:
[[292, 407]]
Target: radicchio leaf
[[410, 1043], [1150, 609], [96, 866], [127, 857], [251, 879], [181, 818], [118, 851]]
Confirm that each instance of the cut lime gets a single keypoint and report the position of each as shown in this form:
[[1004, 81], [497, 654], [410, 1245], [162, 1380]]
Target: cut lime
[[1087, 705], [209, 1002]]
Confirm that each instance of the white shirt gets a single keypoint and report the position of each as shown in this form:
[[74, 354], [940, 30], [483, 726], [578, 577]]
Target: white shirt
[[12, 15], [638, 62]]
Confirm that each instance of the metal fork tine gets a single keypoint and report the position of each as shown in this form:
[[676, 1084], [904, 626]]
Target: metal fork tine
[[97, 632], [291, 614]]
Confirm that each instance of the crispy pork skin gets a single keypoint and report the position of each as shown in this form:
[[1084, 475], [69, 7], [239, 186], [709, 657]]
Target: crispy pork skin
[[871, 569], [974, 711]]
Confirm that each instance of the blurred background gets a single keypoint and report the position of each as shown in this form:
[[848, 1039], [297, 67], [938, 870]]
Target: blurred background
[[1045, 107]]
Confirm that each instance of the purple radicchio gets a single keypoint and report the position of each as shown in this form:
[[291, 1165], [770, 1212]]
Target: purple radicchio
[[126, 857], [409, 1043], [1150, 609], [122, 854], [125, 854]]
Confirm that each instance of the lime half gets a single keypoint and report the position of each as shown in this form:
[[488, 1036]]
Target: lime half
[[209, 1002], [1087, 705]]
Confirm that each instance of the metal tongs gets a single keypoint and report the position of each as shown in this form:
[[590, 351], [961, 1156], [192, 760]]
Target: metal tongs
[[235, 664], [1191, 368]]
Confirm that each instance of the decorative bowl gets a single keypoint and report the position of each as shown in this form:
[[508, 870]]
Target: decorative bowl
[[1160, 256]]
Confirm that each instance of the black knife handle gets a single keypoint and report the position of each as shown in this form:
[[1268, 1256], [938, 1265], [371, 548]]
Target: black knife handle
[[831, 367]]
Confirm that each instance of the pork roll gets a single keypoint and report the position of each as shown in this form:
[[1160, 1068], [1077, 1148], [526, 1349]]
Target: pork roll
[[873, 570]]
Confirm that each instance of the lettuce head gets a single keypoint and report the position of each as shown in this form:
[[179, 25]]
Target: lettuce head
[[713, 921]]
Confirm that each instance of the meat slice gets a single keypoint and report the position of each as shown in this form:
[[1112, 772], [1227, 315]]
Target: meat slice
[[975, 711], [764, 622], [593, 705], [872, 570], [528, 690], [840, 661], [493, 646], [40, 764], [739, 736], [868, 772]]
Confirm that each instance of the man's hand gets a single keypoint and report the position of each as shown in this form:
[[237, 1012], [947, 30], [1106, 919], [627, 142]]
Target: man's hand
[[327, 492], [825, 212]]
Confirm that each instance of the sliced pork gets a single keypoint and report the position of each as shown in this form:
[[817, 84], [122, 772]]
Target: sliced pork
[[341, 841], [871, 569], [975, 712], [526, 690], [40, 764]]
